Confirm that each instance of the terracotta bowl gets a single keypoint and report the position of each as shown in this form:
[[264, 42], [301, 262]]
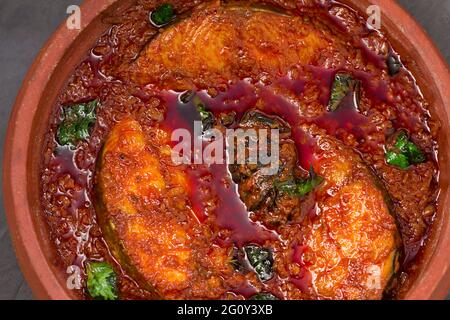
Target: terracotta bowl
[[65, 50]]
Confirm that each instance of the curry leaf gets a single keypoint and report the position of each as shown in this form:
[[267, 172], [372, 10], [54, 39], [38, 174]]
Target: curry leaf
[[263, 296], [237, 260], [402, 141], [415, 154], [289, 186], [393, 64], [256, 118], [309, 185], [187, 96], [301, 187], [261, 259], [404, 152], [397, 159], [343, 84], [76, 123], [206, 116], [162, 15], [101, 281]]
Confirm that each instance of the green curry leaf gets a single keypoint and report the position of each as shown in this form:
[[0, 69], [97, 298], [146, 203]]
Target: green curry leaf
[[76, 123], [397, 159], [300, 188], [261, 259], [101, 281], [343, 84], [402, 141], [162, 15], [289, 186], [393, 64], [206, 116], [415, 155], [404, 152], [263, 296]]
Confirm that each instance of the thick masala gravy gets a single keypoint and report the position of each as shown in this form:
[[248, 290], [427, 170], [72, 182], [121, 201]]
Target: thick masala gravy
[[345, 217]]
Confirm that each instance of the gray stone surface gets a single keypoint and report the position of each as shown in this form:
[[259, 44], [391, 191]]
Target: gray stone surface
[[24, 27]]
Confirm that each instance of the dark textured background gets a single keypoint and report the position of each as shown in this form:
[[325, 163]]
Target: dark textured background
[[24, 27]]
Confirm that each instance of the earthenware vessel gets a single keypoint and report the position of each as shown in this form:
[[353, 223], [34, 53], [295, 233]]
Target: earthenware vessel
[[66, 48]]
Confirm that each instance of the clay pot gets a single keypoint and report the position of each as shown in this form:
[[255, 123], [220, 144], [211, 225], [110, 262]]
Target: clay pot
[[64, 51]]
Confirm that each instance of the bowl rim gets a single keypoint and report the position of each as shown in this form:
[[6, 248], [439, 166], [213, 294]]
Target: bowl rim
[[36, 268]]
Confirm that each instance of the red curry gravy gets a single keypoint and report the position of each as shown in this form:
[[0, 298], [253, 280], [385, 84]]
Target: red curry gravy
[[148, 104]]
